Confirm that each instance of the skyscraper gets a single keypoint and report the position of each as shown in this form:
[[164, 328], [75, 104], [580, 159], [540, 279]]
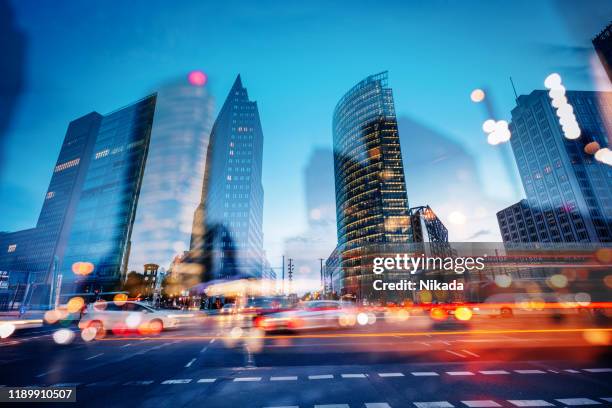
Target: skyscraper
[[371, 199], [30, 257], [172, 181], [227, 236], [568, 192], [106, 209], [603, 46]]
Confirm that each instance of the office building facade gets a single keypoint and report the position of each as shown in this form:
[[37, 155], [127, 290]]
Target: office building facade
[[31, 257], [371, 198], [172, 181], [603, 47], [104, 217], [568, 192], [227, 237]]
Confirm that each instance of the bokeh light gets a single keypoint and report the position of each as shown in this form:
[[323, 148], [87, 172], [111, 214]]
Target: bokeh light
[[82, 268], [477, 95], [197, 78], [63, 336], [591, 148], [503, 281], [75, 304], [6, 329], [463, 313], [89, 333], [120, 299]]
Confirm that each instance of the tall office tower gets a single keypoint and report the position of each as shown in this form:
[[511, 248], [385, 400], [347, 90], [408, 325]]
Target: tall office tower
[[105, 213], [569, 193], [371, 199], [603, 46], [173, 175], [31, 257], [227, 238], [425, 226]]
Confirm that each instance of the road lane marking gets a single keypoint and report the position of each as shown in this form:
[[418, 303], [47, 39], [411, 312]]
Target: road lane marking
[[206, 380], [470, 353], [71, 384], [434, 404], [598, 370], [320, 377], [287, 378], [569, 370], [481, 404], [578, 401], [377, 405], [332, 406], [285, 406], [126, 345], [353, 375], [247, 379], [101, 384], [190, 363], [455, 353], [92, 357], [178, 381], [424, 373], [530, 371], [493, 372], [47, 372], [144, 382], [204, 349], [530, 403], [212, 341], [607, 399], [459, 373], [390, 374]]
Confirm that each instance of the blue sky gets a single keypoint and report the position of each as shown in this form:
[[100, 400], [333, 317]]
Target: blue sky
[[296, 61]]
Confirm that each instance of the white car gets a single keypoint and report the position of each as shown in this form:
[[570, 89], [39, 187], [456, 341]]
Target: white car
[[308, 315], [125, 316]]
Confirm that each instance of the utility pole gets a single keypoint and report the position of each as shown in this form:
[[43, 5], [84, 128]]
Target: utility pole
[[322, 280], [290, 273], [283, 284]]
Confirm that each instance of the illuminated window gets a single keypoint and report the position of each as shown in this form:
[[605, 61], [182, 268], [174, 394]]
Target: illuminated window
[[102, 154], [66, 165], [50, 194], [12, 248]]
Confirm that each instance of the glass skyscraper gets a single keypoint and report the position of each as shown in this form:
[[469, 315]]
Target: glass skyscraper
[[173, 175], [31, 257], [568, 192], [106, 209], [227, 238], [371, 198]]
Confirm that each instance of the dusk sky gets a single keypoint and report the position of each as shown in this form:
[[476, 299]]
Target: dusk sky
[[296, 61]]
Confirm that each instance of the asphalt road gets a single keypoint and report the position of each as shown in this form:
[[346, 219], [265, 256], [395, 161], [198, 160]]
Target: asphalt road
[[509, 363]]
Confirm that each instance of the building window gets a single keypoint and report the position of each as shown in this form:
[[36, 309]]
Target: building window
[[67, 165], [102, 154], [12, 248], [50, 195]]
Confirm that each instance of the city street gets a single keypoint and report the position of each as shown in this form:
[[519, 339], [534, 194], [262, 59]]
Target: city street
[[493, 363]]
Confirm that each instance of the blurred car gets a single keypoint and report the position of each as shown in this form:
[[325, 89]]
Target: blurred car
[[228, 308], [128, 315], [257, 307], [315, 314], [525, 304]]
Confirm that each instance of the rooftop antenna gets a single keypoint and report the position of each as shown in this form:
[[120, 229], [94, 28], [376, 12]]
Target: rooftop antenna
[[514, 89]]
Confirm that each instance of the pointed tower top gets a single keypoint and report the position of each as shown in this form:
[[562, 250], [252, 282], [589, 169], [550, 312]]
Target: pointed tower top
[[237, 83]]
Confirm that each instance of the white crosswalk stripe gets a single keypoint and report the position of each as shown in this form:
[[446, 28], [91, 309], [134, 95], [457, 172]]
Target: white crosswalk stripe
[[481, 404], [390, 374], [178, 381], [598, 370], [247, 379], [320, 377], [287, 378], [569, 370], [145, 382], [459, 373], [609, 399], [206, 380], [333, 406], [353, 375], [577, 401], [285, 406], [377, 405], [424, 373], [494, 372], [434, 404], [530, 403], [530, 371]]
